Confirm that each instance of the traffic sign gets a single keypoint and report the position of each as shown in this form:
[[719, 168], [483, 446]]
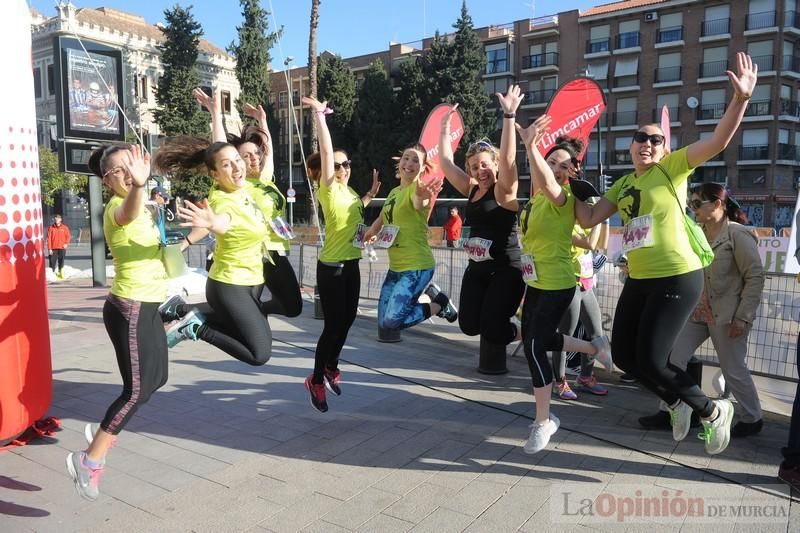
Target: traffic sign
[[291, 193]]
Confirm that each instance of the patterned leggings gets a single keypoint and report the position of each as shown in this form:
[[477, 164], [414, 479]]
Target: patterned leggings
[[398, 307]]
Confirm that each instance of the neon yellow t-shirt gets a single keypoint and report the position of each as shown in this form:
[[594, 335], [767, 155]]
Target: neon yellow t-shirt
[[238, 255], [135, 247], [547, 237], [343, 212], [649, 194], [410, 250], [272, 204]]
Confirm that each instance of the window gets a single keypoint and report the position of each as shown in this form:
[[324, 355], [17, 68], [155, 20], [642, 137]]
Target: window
[[790, 14], [669, 67], [628, 34], [787, 106], [626, 72], [542, 90], [37, 82], [282, 98], [710, 174], [541, 55], [591, 153], [712, 105], [598, 72], [760, 14], [672, 101], [786, 150], [754, 144], [715, 62], [761, 52], [626, 114], [760, 102], [670, 28], [496, 58], [717, 20], [752, 177], [51, 80], [495, 85], [226, 102], [622, 152], [142, 89], [598, 39], [788, 61]]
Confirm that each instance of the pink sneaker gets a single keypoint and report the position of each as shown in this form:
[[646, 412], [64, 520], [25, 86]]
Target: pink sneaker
[[590, 383], [564, 392]]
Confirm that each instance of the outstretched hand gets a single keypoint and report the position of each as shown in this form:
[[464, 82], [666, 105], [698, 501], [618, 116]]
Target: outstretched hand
[[744, 81], [315, 105], [196, 216], [511, 100], [376, 184], [138, 165], [533, 134], [212, 103], [447, 118], [426, 191], [257, 113]]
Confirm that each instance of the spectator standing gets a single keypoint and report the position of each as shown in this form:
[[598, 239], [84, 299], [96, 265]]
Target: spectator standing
[[452, 228], [58, 239]]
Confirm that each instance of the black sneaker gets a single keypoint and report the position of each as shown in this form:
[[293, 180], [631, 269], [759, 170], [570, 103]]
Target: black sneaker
[[172, 309], [744, 429], [628, 378], [317, 395]]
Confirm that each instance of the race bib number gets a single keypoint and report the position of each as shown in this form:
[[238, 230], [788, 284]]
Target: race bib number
[[587, 268], [478, 249], [528, 268], [638, 233], [358, 240], [281, 228], [387, 236]]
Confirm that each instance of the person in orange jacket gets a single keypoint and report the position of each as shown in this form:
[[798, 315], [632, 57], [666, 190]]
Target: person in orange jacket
[[58, 239], [452, 228]]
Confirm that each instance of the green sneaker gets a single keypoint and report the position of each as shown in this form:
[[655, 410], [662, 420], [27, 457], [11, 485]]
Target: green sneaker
[[681, 420], [717, 433], [185, 328]]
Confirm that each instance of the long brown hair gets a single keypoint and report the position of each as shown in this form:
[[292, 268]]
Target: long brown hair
[[314, 164], [179, 155], [714, 191]]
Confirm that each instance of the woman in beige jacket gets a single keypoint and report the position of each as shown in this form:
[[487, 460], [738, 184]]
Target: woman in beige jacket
[[727, 308]]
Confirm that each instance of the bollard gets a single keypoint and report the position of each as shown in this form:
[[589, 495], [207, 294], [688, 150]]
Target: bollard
[[695, 370], [388, 335], [318, 313], [492, 358]]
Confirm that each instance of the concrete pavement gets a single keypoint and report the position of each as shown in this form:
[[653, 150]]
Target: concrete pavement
[[419, 441]]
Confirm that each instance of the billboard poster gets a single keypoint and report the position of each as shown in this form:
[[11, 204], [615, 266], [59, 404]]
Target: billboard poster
[[92, 107]]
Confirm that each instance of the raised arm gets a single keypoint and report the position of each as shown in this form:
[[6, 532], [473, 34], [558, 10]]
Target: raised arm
[[457, 177], [701, 151], [137, 165], [373, 191], [507, 179], [318, 110], [426, 192], [588, 242], [588, 216], [268, 161], [541, 173], [213, 104]]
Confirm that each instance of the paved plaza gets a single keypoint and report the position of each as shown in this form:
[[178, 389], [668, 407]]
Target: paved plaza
[[419, 441]]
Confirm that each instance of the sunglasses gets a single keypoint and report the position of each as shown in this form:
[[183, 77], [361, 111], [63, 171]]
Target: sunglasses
[[115, 171], [655, 139], [697, 204], [343, 164]]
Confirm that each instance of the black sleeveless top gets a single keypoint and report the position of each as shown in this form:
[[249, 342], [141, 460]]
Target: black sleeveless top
[[489, 220]]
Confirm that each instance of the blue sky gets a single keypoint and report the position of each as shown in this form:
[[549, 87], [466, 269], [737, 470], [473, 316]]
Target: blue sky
[[347, 27]]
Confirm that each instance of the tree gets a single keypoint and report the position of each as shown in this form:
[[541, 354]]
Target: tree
[[312, 65], [253, 59], [177, 112], [53, 181], [337, 85], [411, 101], [438, 66], [376, 140], [465, 87]]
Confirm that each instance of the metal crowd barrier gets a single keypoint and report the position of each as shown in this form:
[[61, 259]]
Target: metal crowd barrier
[[771, 345]]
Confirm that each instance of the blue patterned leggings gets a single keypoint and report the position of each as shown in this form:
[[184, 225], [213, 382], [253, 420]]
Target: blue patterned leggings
[[398, 307]]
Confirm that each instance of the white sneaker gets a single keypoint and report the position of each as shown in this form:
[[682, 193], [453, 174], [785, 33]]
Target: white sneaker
[[717, 434], [540, 435], [89, 432], [681, 419], [603, 355]]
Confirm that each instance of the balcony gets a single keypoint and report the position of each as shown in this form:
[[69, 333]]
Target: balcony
[[626, 81], [711, 111], [788, 152], [759, 108], [789, 107], [790, 63], [713, 69], [625, 118], [496, 66], [668, 35], [538, 97], [673, 114], [757, 21], [622, 157], [715, 27], [755, 152], [665, 74], [791, 21], [598, 45], [627, 40], [540, 60], [765, 63]]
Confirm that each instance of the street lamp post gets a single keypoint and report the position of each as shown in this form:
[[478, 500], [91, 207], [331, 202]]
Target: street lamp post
[[289, 102]]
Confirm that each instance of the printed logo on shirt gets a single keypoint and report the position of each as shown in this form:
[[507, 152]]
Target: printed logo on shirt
[[526, 213], [388, 208], [630, 202]]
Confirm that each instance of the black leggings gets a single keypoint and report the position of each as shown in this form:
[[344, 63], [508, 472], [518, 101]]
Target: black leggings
[[339, 289], [57, 259], [235, 322], [490, 296], [541, 315], [137, 333], [650, 315], [282, 283]]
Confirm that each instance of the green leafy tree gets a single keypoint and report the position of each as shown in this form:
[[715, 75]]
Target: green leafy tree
[[177, 112], [53, 181], [376, 143], [438, 66], [412, 101], [337, 85], [253, 59]]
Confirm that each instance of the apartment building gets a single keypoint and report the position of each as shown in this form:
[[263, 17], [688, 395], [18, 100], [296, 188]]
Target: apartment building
[[646, 54]]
